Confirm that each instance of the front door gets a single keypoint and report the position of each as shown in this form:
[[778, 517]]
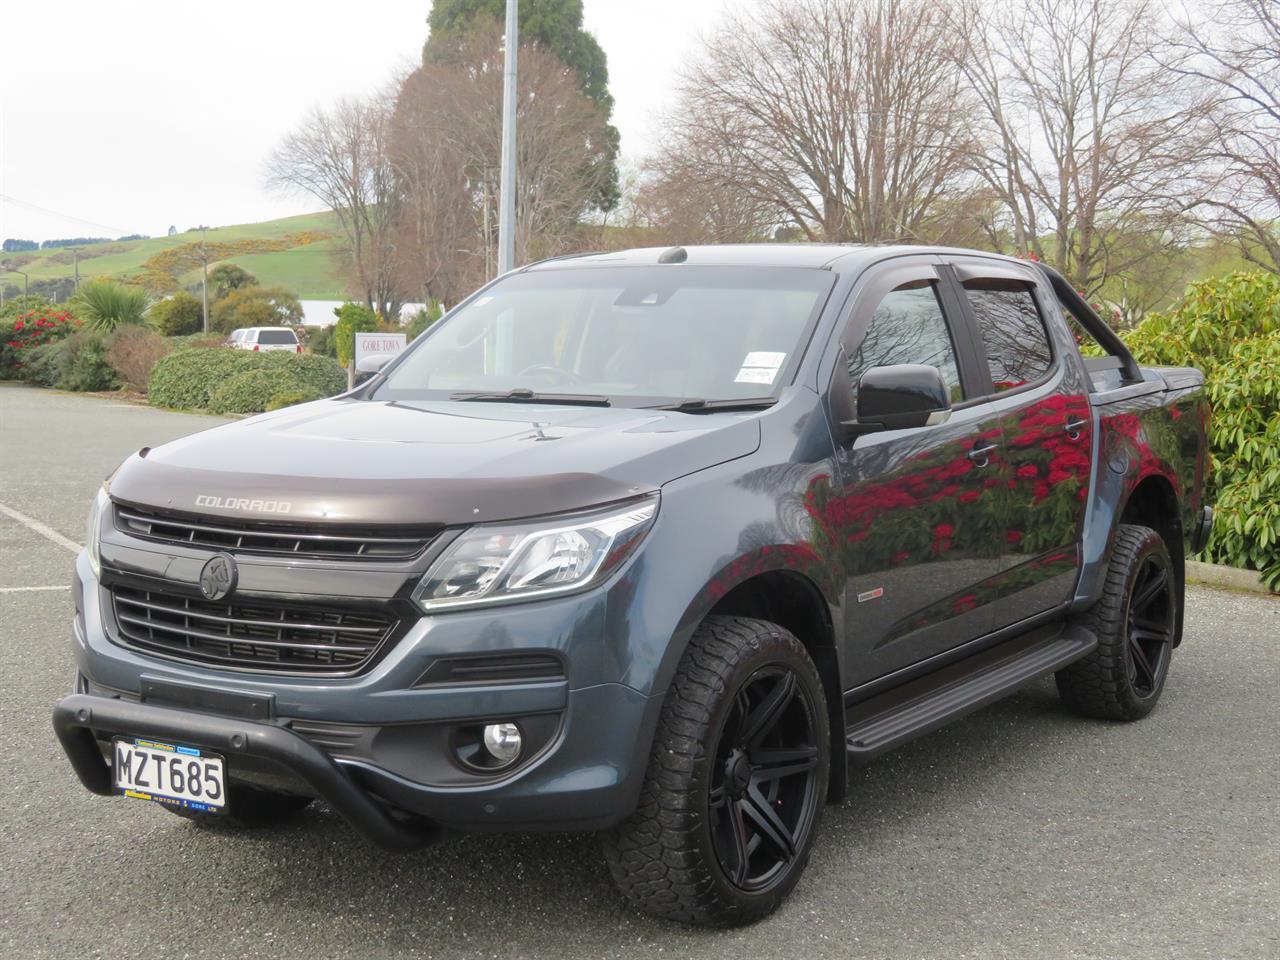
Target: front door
[[908, 513]]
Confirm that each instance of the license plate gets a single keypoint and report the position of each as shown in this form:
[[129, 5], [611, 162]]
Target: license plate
[[168, 773]]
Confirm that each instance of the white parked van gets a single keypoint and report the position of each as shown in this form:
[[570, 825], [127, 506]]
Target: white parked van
[[266, 338]]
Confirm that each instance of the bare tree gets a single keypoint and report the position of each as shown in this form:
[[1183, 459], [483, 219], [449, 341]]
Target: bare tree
[[447, 132], [1081, 135], [691, 192], [1234, 47], [340, 157], [844, 116]]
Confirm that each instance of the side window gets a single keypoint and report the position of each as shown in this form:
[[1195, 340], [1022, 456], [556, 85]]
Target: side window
[[1013, 332], [909, 327]]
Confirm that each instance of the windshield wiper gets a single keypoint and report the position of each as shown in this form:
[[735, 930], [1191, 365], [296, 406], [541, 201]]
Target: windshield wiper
[[525, 395], [698, 405]]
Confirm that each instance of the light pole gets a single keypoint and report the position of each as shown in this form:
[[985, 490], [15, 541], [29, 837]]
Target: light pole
[[26, 281], [507, 190]]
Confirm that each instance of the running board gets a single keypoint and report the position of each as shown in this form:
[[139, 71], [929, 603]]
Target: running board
[[925, 705]]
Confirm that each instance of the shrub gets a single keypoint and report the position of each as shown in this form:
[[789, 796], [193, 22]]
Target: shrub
[[196, 379], [21, 334], [15, 307], [198, 340], [249, 391], [1229, 327], [105, 305], [77, 363], [226, 277], [255, 307], [178, 315], [133, 351], [288, 398], [185, 379], [353, 318], [321, 374], [424, 318], [319, 340]]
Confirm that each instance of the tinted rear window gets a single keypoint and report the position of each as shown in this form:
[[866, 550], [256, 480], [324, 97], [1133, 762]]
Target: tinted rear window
[[277, 336], [1017, 346]]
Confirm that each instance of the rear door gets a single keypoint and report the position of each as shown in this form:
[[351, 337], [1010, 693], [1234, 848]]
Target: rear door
[[908, 515], [1042, 404]]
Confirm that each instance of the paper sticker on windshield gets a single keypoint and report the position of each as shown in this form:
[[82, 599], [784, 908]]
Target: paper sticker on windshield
[[764, 358], [755, 375]]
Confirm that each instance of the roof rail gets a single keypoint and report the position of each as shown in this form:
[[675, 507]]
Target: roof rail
[[563, 256]]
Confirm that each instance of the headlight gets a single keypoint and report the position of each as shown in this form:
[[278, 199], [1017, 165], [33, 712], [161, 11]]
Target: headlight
[[93, 535], [496, 563]]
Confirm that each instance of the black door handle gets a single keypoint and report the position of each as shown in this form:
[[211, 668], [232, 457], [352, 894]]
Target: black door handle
[[981, 456]]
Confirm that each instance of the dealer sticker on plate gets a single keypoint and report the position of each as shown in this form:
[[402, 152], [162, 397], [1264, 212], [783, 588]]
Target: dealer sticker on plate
[[167, 773]]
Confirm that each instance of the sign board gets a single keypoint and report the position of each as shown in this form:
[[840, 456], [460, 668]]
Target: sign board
[[378, 345]]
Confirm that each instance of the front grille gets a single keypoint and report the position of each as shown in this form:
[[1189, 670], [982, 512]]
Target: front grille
[[274, 538], [257, 634]]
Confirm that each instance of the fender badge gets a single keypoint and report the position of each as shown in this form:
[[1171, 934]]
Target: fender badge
[[875, 594], [218, 576]]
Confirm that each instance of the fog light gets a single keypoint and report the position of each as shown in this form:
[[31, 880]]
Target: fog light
[[503, 742]]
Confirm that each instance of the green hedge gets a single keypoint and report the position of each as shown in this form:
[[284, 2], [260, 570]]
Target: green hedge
[[1229, 327], [186, 379], [289, 398], [248, 392], [190, 379]]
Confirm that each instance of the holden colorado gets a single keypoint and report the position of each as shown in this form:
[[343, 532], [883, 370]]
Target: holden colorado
[[653, 543]]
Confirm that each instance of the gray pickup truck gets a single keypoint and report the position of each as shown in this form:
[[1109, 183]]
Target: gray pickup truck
[[653, 543]]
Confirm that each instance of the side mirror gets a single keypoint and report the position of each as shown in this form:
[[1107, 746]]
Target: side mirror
[[374, 362], [902, 395]]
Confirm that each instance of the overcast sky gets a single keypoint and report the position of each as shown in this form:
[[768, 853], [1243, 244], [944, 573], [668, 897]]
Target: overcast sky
[[126, 116]]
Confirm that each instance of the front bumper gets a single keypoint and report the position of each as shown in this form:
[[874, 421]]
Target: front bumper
[[376, 745], [75, 718]]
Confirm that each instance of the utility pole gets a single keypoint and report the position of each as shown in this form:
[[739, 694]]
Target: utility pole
[[204, 282], [507, 190]]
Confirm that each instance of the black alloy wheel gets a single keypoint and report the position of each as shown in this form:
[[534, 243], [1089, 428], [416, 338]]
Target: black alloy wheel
[[1136, 621], [764, 780], [736, 780], [1151, 623]]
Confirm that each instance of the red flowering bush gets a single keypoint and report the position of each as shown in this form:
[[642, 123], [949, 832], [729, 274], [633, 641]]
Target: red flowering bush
[[22, 334]]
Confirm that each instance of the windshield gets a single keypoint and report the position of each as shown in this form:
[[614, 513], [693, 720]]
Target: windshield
[[277, 336], [629, 334]]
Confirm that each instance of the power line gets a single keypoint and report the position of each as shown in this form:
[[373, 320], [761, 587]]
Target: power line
[[63, 216]]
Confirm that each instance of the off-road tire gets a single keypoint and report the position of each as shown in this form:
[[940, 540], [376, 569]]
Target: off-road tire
[[1106, 684], [250, 809], [663, 858]]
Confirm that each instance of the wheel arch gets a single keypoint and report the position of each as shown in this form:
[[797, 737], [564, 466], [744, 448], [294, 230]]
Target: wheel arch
[[1153, 503], [794, 602]]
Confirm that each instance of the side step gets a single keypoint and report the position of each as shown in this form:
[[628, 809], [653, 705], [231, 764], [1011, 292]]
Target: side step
[[896, 716]]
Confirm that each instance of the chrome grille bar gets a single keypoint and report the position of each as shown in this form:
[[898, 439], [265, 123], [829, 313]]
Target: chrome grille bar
[[270, 537]]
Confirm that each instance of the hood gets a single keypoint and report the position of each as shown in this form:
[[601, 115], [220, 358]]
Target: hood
[[428, 461]]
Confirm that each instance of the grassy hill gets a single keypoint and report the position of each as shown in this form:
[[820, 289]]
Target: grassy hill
[[314, 270]]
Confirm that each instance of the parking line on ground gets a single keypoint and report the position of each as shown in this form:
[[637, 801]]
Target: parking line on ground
[[31, 523], [32, 589]]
